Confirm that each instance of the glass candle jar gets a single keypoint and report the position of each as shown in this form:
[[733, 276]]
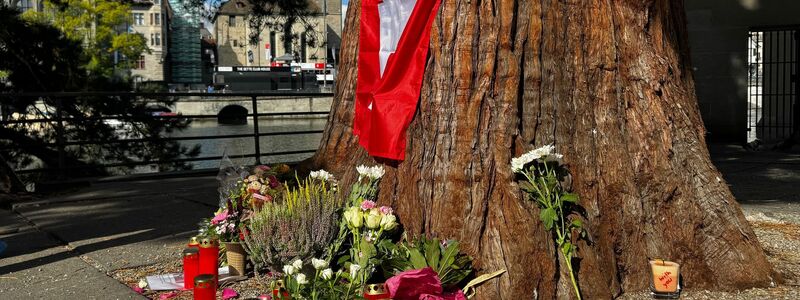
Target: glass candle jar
[[205, 287], [209, 257], [666, 277], [191, 266]]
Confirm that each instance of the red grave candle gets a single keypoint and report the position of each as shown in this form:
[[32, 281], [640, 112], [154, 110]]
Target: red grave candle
[[280, 292], [193, 243], [209, 257], [205, 287], [191, 265], [376, 292]]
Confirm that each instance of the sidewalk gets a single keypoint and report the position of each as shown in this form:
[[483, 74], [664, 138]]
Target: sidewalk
[[64, 246]]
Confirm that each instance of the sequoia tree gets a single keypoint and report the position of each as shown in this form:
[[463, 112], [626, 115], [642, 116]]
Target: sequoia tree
[[609, 84]]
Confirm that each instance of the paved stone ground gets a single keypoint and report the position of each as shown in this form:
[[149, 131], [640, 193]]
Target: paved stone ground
[[64, 246]]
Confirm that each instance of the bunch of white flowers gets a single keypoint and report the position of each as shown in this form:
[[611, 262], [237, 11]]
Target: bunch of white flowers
[[544, 154], [374, 172], [322, 175]]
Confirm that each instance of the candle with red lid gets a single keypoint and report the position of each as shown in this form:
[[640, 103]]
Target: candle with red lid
[[205, 287], [209, 257], [191, 265]]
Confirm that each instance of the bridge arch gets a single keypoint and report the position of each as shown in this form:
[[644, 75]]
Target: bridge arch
[[233, 114]]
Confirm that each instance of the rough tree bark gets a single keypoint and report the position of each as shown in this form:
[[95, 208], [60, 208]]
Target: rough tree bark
[[609, 83]]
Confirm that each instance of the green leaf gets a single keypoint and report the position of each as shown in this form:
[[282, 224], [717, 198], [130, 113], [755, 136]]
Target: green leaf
[[548, 216], [417, 260], [448, 257], [527, 186], [432, 253], [571, 198], [576, 223], [566, 248]]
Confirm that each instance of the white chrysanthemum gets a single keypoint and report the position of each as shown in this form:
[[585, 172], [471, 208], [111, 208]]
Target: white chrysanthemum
[[297, 264], [362, 170], [377, 172], [354, 270], [301, 279], [374, 172], [322, 175], [544, 153], [327, 274], [319, 264], [288, 269]]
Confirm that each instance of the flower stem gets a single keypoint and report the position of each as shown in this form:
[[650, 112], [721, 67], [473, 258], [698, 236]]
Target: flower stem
[[568, 260]]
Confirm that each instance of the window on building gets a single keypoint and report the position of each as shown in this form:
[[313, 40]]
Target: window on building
[[25, 5], [232, 21], [157, 2], [152, 39], [139, 65], [303, 44], [235, 43], [287, 39], [157, 18], [138, 19], [158, 39], [151, 19], [272, 44]]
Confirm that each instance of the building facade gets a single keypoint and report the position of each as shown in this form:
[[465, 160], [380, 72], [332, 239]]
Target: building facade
[[232, 32], [26, 5], [150, 18], [745, 60], [184, 44]]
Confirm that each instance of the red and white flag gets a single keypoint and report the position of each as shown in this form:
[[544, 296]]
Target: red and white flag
[[393, 46]]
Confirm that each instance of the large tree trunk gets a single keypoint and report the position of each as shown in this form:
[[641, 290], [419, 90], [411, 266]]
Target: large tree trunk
[[609, 83]]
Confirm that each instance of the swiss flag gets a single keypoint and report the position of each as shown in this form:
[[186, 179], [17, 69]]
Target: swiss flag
[[393, 46]]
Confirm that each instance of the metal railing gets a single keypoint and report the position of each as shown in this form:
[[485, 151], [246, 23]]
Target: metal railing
[[60, 143]]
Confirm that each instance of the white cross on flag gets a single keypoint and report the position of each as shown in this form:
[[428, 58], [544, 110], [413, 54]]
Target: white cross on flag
[[394, 38]]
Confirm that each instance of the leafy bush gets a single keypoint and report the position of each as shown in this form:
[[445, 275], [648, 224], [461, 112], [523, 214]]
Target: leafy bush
[[445, 258]]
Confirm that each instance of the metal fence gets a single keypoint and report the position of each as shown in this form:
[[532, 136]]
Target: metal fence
[[772, 83], [60, 143]]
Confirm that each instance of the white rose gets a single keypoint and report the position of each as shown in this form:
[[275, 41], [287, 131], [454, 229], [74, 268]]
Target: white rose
[[297, 264], [319, 264], [327, 274], [288, 269], [301, 279], [354, 270]]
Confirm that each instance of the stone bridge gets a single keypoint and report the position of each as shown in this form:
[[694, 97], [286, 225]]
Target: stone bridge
[[215, 105]]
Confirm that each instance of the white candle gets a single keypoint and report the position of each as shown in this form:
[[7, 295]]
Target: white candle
[[665, 275]]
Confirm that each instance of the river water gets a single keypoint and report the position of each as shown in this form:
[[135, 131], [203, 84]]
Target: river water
[[239, 146]]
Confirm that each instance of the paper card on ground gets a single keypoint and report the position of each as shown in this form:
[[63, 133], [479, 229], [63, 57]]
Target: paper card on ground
[[174, 281]]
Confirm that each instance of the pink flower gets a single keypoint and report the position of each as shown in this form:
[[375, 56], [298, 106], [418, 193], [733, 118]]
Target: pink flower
[[222, 216], [367, 205], [168, 295], [263, 168], [414, 284], [273, 182], [228, 293], [386, 210], [137, 289]]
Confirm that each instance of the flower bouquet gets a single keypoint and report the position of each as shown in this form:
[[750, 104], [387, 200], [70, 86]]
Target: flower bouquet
[[241, 193]]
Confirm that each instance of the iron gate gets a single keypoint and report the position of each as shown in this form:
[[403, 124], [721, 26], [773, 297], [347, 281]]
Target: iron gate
[[772, 109]]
